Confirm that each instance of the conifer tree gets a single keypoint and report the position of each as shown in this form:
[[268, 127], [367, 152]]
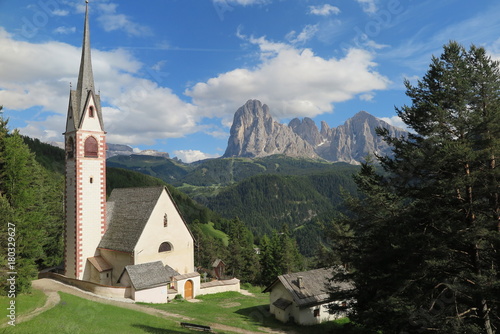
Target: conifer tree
[[425, 257]]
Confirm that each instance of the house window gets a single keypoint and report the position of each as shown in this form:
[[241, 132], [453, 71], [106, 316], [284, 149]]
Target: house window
[[91, 111], [165, 220], [90, 147], [316, 312], [165, 247], [91, 180]]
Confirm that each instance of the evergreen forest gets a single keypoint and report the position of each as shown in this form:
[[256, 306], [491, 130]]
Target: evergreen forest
[[422, 241]]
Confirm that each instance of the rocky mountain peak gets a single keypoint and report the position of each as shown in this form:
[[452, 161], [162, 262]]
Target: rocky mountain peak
[[306, 129], [254, 133]]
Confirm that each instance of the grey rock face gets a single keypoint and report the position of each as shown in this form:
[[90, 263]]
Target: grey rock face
[[255, 134], [307, 130]]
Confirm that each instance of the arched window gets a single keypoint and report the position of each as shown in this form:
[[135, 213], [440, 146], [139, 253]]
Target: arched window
[[91, 111], [70, 148], [91, 148], [165, 247]]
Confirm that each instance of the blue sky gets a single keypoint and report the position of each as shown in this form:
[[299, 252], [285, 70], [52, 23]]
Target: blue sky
[[173, 72]]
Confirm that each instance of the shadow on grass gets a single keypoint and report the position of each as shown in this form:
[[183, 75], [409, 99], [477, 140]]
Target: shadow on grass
[[156, 330], [261, 317]]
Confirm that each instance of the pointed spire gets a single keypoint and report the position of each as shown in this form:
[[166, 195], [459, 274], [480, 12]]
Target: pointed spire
[[85, 77]]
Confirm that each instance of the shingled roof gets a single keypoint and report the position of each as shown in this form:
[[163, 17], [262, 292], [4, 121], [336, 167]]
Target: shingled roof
[[147, 275], [314, 286], [129, 210]]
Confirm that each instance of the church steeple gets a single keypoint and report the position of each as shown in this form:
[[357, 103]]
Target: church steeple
[[85, 76], [85, 89], [85, 188]]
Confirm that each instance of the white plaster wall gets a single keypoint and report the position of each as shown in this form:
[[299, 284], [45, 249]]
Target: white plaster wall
[[220, 288], [196, 286], [156, 295], [118, 260], [181, 258], [276, 293], [92, 208], [91, 123], [306, 316]]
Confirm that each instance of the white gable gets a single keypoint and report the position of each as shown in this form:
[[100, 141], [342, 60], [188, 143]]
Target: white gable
[[90, 119], [179, 252]]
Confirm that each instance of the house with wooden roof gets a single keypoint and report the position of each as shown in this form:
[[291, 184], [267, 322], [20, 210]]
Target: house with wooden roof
[[303, 297]]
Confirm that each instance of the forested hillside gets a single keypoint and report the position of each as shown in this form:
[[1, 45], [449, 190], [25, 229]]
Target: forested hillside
[[31, 219], [265, 193]]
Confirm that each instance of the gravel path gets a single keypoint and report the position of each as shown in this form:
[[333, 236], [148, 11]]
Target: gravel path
[[51, 287]]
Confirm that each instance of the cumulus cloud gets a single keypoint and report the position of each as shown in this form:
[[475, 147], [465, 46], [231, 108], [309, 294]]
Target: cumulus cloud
[[324, 10], [136, 110], [294, 82], [193, 155]]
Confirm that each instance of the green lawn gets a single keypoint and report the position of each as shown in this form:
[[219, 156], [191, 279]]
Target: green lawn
[[245, 312], [74, 315], [25, 303]]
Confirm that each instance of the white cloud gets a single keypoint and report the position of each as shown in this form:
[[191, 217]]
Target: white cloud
[[159, 65], [293, 82], [324, 10], [369, 6], [193, 155], [367, 97], [136, 111], [374, 45], [60, 12], [65, 30], [111, 21], [306, 34], [395, 121], [240, 2]]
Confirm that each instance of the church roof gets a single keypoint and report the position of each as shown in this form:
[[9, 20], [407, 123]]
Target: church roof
[[314, 286], [147, 275], [171, 271], [128, 216]]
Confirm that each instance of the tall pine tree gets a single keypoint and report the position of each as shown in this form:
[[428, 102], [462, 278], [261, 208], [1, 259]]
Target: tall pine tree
[[425, 256]]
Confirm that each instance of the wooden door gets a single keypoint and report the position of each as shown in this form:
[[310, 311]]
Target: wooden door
[[188, 290]]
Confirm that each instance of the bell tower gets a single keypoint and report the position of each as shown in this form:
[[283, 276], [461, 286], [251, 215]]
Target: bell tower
[[85, 188]]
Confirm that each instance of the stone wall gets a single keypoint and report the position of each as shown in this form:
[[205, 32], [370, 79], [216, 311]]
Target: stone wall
[[98, 289]]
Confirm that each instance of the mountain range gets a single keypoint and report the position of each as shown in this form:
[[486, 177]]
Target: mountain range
[[255, 134]]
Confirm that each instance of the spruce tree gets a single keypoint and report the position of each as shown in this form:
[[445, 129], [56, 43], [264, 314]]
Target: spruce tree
[[425, 257]]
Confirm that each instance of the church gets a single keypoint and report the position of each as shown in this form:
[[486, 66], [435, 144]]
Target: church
[[136, 241]]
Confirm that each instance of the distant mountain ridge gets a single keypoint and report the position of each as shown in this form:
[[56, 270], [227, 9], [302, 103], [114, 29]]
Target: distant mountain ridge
[[254, 134]]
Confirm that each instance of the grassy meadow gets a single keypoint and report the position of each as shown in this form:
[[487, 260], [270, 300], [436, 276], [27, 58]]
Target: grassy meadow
[[74, 315]]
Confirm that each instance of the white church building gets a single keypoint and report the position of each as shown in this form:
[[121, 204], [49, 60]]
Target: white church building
[[136, 241]]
